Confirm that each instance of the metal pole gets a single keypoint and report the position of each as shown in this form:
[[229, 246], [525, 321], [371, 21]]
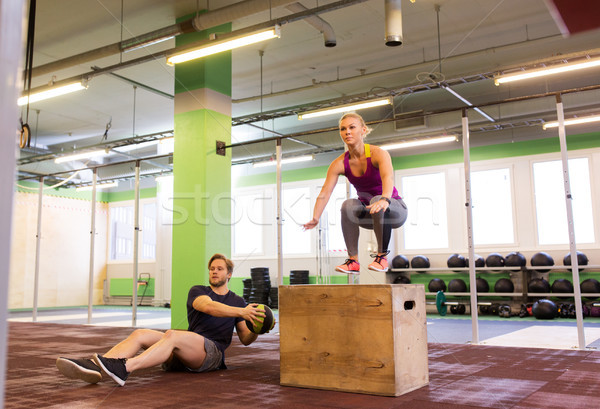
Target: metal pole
[[12, 17], [136, 232], [352, 278], [92, 241], [469, 207], [568, 199], [279, 217], [38, 237]]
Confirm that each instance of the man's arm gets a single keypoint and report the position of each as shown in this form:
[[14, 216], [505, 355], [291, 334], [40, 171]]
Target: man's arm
[[205, 304], [244, 334]]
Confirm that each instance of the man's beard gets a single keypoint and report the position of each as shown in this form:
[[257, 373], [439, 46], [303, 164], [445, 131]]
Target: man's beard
[[218, 283]]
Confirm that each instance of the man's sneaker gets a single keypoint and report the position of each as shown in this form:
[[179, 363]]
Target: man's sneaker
[[84, 369], [113, 367], [349, 267], [379, 264]]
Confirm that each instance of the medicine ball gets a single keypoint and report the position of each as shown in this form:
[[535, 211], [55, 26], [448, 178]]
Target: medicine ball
[[456, 260], [401, 280], [420, 262], [538, 285], [400, 261], [504, 285], [482, 285], [479, 261], [582, 260], [457, 286], [265, 325], [494, 260], [591, 285], [594, 311], [436, 285], [544, 309], [515, 259], [562, 285], [542, 259]]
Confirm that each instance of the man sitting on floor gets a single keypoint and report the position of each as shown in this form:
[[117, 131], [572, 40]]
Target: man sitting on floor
[[213, 311]]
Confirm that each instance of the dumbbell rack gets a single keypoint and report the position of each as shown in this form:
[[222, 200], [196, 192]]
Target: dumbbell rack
[[524, 295]]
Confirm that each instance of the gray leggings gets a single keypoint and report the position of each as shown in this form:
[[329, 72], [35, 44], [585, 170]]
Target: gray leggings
[[355, 215]]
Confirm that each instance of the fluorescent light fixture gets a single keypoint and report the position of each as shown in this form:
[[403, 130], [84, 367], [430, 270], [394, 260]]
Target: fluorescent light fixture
[[82, 155], [573, 121], [134, 146], [51, 92], [419, 142], [283, 161], [555, 69], [98, 186], [148, 43], [218, 46], [346, 108], [466, 101]]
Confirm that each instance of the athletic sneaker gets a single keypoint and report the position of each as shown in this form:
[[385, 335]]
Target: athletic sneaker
[[349, 267], [84, 369], [113, 367], [379, 264]]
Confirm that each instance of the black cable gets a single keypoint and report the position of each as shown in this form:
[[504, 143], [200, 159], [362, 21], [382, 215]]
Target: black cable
[[27, 80]]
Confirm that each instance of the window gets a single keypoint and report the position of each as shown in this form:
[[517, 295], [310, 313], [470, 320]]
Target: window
[[491, 195], [122, 227], [248, 222], [427, 223], [550, 203], [148, 225], [296, 211], [331, 221]]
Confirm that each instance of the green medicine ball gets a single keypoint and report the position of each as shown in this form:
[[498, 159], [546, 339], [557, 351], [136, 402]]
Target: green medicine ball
[[267, 323]]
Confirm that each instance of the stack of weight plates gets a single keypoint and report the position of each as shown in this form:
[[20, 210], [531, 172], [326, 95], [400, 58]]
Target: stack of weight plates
[[274, 298], [261, 285], [247, 288], [298, 277]]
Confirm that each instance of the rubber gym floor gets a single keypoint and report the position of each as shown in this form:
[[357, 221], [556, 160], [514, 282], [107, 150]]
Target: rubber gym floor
[[461, 375]]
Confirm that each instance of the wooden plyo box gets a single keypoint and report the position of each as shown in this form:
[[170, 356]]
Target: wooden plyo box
[[354, 338]]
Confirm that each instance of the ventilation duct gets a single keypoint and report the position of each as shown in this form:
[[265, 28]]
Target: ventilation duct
[[393, 23], [410, 121], [318, 23], [234, 12]]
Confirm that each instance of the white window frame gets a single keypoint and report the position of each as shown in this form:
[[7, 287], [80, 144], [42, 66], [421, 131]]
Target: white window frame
[[593, 193], [127, 203], [450, 172], [497, 165], [269, 227]]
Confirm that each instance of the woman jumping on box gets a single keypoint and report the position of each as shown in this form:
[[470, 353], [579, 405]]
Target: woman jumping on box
[[378, 207]]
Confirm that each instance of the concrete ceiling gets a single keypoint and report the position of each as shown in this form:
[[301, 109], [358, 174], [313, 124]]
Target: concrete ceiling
[[477, 38]]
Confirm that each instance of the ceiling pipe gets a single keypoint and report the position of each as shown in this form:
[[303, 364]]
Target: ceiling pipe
[[112, 49], [234, 12], [318, 23], [201, 22], [393, 23]]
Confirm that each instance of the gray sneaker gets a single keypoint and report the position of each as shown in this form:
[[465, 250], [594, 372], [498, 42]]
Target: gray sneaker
[[84, 369]]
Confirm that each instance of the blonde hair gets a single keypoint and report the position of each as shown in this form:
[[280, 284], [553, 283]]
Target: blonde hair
[[355, 116], [218, 256]]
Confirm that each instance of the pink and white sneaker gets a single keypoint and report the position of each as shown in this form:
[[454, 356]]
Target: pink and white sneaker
[[349, 267], [379, 264]]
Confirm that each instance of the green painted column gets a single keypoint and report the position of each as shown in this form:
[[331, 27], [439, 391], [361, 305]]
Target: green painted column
[[202, 179]]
